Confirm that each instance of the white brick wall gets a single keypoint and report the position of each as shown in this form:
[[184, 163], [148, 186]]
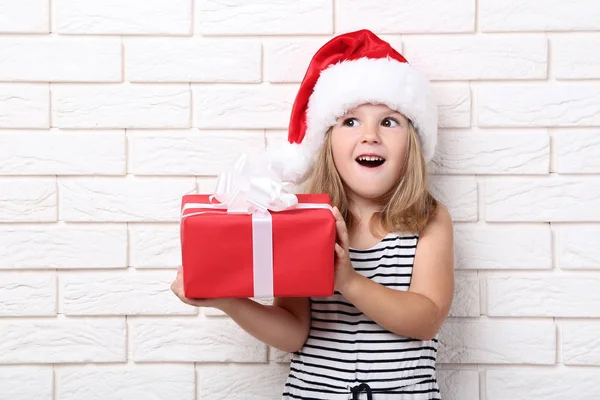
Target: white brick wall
[[111, 110]]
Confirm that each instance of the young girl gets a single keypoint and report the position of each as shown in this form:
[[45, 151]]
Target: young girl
[[363, 127]]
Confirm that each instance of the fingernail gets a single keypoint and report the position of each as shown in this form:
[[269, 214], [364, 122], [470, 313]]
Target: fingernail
[[179, 268]]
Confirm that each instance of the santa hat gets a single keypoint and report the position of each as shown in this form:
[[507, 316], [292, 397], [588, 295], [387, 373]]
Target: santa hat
[[350, 70]]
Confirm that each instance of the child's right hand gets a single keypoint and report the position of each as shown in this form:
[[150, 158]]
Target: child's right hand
[[177, 288]]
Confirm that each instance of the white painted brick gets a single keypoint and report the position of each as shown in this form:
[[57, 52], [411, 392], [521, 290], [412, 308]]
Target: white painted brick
[[581, 343], [24, 106], [191, 152], [242, 106], [577, 152], [28, 200], [459, 195], [539, 106], [63, 59], [465, 152], [121, 293], [546, 384], [543, 296], [240, 382], [207, 185], [187, 340], [454, 105], [487, 247], [578, 247], [123, 200], [122, 106], [286, 60], [62, 340], [466, 295], [27, 294], [389, 16], [576, 56], [498, 342], [24, 16], [62, 153], [459, 57], [264, 17], [124, 17], [26, 383], [533, 15], [193, 60], [154, 246], [124, 382], [279, 356], [542, 200], [458, 384], [63, 246]]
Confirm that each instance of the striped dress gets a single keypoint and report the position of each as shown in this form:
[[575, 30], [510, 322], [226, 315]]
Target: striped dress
[[349, 356]]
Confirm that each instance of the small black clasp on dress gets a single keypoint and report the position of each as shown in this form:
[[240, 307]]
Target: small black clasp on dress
[[363, 387]]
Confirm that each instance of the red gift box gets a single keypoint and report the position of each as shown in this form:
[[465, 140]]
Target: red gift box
[[219, 258]]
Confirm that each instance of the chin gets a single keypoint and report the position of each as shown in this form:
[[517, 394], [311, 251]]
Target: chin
[[369, 192]]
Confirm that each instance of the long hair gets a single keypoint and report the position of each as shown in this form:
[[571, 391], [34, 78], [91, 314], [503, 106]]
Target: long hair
[[406, 207]]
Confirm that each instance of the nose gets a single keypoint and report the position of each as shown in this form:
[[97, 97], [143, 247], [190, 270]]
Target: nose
[[370, 134]]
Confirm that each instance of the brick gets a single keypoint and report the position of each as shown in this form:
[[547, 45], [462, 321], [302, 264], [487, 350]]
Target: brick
[[498, 342], [543, 296], [62, 341], [459, 195], [123, 200], [27, 294], [546, 384], [154, 246], [121, 293], [240, 381], [242, 106], [193, 60], [126, 382], [24, 16], [580, 343], [129, 17], [185, 340], [577, 152], [39, 382], [493, 153], [532, 15], [45, 58], [466, 295], [286, 59], [412, 16], [207, 185], [264, 17], [454, 105], [122, 106], [478, 57], [477, 247], [63, 246], [577, 247], [62, 153], [28, 200], [575, 56], [458, 384], [279, 356], [539, 106], [24, 105], [191, 152], [542, 200]]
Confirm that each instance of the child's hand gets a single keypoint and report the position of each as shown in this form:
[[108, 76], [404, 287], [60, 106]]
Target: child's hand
[[344, 271], [177, 288]]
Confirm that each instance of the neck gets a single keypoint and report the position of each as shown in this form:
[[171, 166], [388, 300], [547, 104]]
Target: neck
[[363, 209]]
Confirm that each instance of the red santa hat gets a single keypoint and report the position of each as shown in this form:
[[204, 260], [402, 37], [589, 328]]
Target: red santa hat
[[352, 69]]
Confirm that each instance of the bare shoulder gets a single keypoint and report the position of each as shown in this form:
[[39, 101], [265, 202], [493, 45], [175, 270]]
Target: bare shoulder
[[440, 223]]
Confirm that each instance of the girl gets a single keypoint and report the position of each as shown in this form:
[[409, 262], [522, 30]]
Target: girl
[[363, 127]]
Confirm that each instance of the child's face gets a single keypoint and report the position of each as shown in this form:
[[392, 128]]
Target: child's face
[[369, 146]]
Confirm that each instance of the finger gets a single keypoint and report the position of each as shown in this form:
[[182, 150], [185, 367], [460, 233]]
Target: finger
[[339, 251], [342, 233]]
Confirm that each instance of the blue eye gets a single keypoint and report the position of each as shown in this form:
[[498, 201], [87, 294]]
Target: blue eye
[[390, 123], [351, 122]]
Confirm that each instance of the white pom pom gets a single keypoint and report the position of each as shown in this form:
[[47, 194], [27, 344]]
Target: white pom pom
[[289, 161]]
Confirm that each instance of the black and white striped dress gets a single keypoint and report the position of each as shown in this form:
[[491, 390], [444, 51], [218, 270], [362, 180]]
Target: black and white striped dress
[[347, 352]]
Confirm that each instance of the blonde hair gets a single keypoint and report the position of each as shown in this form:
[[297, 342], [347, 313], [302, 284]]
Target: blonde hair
[[406, 207]]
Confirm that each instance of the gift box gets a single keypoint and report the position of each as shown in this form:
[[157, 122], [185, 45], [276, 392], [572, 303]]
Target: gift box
[[257, 253]]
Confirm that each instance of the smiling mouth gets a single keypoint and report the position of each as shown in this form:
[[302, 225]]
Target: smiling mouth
[[370, 161]]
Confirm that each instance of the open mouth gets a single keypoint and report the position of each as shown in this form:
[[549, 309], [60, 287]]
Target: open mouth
[[370, 161]]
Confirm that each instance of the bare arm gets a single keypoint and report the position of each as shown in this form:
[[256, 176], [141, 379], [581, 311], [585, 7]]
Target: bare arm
[[420, 311], [283, 325]]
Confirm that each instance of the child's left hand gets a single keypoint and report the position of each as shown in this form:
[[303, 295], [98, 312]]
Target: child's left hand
[[344, 271]]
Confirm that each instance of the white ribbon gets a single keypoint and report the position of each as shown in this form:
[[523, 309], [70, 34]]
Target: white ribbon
[[253, 189]]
